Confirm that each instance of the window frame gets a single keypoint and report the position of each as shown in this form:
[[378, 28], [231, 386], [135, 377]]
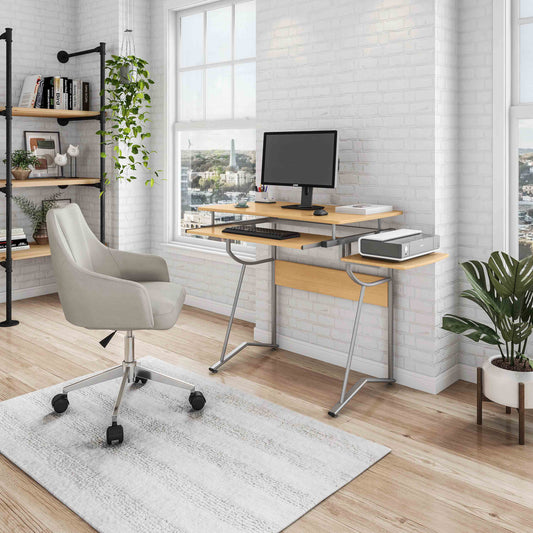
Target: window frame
[[516, 111], [176, 126]]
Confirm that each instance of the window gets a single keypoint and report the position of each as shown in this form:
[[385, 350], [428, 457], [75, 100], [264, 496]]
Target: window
[[215, 138], [521, 130]]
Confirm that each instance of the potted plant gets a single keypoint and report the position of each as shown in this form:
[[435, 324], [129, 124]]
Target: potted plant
[[503, 289], [37, 214], [21, 161], [128, 86]]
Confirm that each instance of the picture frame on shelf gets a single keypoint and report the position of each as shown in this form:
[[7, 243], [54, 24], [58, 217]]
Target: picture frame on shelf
[[45, 145], [62, 202]]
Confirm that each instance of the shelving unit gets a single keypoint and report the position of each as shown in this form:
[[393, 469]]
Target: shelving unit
[[63, 117]]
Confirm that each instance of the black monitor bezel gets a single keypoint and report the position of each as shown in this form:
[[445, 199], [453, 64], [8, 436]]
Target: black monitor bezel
[[334, 167]]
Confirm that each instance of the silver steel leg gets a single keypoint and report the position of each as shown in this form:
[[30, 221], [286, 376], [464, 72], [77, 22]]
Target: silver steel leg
[[273, 299], [390, 347], [346, 396], [224, 358], [119, 397], [106, 375], [162, 378], [352, 342], [233, 310]]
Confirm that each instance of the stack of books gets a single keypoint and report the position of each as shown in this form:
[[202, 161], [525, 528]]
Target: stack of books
[[18, 240], [54, 92]]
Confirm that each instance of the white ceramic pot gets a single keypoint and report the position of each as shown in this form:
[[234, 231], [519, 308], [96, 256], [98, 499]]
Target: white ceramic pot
[[501, 386]]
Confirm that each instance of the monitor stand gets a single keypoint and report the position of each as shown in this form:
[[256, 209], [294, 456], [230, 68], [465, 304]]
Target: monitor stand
[[306, 202]]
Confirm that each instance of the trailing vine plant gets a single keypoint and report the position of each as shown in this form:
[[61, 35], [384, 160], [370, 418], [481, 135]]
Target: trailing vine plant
[[127, 84]]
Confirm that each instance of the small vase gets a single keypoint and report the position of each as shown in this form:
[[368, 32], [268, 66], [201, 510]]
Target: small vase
[[41, 235], [20, 173]]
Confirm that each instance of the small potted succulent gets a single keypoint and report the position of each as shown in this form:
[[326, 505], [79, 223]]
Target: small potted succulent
[[37, 214], [21, 161], [503, 289]]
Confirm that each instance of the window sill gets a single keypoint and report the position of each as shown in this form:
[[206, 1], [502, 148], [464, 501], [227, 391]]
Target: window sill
[[207, 252]]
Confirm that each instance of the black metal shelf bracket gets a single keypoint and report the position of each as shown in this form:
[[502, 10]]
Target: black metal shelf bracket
[[65, 121]]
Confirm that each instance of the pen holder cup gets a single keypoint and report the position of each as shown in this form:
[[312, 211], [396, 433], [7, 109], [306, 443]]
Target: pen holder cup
[[263, 196]]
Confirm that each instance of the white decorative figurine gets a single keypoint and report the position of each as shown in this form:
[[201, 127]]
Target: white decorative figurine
[[60, 160], [73, 152]]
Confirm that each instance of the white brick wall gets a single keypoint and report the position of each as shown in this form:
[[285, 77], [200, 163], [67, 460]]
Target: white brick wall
[[475, 151], [408, 84]]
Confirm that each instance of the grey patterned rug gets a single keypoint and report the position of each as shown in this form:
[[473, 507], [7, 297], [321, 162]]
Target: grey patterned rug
[[242, 464]]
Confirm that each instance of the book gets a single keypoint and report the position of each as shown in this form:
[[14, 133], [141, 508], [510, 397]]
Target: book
[[39, 97], [15, 243], [58, 93], [85, 96], [15, 233], [363, 209], [64, 87], [49, 88], [30, 87], [76, 95]]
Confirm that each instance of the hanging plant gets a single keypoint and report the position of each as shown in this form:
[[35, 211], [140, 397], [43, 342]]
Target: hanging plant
[[127, 84]]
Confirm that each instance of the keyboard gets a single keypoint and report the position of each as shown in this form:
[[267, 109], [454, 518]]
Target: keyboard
[[265, 233]]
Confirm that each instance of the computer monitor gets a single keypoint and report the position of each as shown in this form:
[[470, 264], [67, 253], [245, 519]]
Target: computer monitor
[[304, 159]]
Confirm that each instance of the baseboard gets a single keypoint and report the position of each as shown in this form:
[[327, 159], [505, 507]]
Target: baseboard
[[430, 384], [218, 307], [22, 294], [467, 373]]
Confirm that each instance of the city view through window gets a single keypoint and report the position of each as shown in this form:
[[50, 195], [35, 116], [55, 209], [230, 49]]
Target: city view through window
[[216, 167], [525, 189]]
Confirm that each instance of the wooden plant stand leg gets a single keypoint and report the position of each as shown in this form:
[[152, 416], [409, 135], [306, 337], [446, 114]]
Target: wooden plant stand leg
[[508, 410], [480, 396], [521, 414]]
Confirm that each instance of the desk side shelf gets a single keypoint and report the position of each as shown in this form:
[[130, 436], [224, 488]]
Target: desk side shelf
[[408, 264]]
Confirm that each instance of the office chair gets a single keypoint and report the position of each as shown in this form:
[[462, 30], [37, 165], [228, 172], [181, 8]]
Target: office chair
[[101, 288]]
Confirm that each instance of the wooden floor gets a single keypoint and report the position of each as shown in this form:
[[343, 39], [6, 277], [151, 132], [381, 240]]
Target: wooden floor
[[444, 474]]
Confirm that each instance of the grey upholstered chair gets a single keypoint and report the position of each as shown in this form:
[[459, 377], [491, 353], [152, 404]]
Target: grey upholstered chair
[[101, 288]]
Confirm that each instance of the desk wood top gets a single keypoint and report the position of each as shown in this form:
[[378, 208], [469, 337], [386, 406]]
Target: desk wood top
[[408, 264], [276, 211], [296, 243]]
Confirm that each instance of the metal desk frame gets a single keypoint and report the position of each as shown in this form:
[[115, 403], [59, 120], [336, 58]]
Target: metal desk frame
[[345, 243]]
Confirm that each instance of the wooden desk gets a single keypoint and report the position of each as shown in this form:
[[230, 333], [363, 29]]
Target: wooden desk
[[408, 264], [363, 288], [276, 211]]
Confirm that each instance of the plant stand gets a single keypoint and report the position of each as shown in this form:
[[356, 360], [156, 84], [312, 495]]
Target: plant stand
[[521, 406]]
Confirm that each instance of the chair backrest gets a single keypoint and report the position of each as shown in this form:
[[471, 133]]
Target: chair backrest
[[73, 246]]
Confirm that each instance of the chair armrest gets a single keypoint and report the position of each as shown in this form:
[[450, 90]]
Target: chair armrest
[[98, 301], [140, 267]]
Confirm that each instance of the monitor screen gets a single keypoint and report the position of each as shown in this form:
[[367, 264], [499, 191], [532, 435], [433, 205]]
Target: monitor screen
[[304, 158]]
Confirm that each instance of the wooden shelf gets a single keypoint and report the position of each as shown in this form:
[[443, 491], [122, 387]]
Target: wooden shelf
[[296, 243], [50, 182], [50, 113], [276, 211], [36, 250], [421, 261]]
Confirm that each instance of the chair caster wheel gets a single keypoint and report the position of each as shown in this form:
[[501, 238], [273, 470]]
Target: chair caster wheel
[[142, 381], [60, 403], [115, 433], [197, 400]]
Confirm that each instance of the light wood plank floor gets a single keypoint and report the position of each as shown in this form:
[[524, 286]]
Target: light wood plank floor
[[444, 474]]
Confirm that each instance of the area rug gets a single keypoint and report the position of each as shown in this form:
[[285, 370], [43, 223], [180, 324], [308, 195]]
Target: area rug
[[242, 464]]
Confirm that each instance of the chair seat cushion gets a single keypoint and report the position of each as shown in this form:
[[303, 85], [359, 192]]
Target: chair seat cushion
[[167, 300]]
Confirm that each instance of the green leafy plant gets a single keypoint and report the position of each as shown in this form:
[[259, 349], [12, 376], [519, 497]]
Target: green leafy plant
[[503, 288], [127, 84], [23, 159], [37, 212]]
